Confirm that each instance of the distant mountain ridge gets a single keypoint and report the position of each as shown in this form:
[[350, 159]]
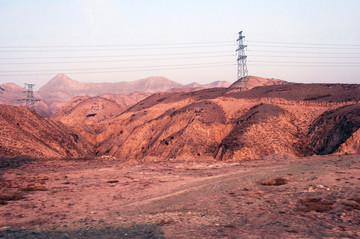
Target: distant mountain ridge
[[62, 88]]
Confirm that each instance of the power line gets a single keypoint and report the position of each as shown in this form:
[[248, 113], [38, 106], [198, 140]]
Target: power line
[[118, 71], [122, 60], [308, 52], [129, 67], [184, 53], [119, 45], [322, 53], [296, 65], [191, 53], [115, 49], [112, 56], [169, 58], [175, 68], [303, 43], [177, 47], [322, 57], [310, 62], [186, 65], [306, 47], [176, 44]]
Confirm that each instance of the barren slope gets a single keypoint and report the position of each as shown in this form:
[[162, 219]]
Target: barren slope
[[193, 130], [85, 115], [87, 111], [304, 92], [351, 145], [333, 128], [126, 101], [240, 144], [24, 132], [180, 124], [220, 123], [250, 82], [280, 197]]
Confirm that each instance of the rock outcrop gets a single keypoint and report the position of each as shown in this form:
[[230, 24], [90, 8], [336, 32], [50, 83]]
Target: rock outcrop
[[333, 128]]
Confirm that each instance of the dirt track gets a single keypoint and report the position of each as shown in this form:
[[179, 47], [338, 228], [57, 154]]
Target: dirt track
[[317, 197]]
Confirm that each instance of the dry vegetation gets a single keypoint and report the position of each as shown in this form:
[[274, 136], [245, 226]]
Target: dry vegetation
[[275, 182]]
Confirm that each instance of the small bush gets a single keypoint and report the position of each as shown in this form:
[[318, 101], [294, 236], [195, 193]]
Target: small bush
[[274, 182], [316, 204], [10, 196], [163, 222], [30, 188], [112, 181], [353, 205]]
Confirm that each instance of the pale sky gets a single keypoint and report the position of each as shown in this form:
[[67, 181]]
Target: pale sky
[[186, 41]]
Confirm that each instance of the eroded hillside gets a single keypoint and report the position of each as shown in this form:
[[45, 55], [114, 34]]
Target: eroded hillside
[[24, 132], [225, 124], [222, 123]]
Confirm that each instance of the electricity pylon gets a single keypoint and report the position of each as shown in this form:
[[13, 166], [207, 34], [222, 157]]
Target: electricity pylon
[[30, 98], [242, 71]]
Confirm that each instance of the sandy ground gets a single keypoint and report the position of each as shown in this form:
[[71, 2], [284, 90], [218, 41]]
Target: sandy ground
[[315, 197]]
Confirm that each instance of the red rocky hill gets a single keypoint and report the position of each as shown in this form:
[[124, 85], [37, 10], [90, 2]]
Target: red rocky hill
[[227, 125], [222, 123], [24, 132]]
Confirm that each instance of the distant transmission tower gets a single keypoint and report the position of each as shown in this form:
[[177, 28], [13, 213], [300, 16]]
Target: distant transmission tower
[[242, 71], [30, 98]]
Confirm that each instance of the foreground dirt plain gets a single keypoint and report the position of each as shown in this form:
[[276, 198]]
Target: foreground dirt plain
[[277, 197]]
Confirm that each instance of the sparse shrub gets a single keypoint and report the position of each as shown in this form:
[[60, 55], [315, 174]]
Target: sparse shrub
[[353, 205], [31, 187], [112, 181], [275, 182], [10, 196], [315, 204], [356, 200], [163, 222]]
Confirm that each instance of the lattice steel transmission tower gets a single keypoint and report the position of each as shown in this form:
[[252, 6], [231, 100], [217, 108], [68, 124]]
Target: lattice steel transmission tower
[[30, 98], [242, 71]]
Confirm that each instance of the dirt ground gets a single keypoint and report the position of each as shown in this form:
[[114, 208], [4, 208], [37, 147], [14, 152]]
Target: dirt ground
[[280, 197]]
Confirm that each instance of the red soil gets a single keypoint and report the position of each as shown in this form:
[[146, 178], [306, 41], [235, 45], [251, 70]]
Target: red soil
[[315, 197]]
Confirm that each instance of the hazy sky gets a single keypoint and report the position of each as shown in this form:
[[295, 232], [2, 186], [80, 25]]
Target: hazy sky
[[185, 41]]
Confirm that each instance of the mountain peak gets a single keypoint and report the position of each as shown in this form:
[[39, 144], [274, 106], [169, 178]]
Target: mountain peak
[[158, 80], [61, 77], [60, 81]]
